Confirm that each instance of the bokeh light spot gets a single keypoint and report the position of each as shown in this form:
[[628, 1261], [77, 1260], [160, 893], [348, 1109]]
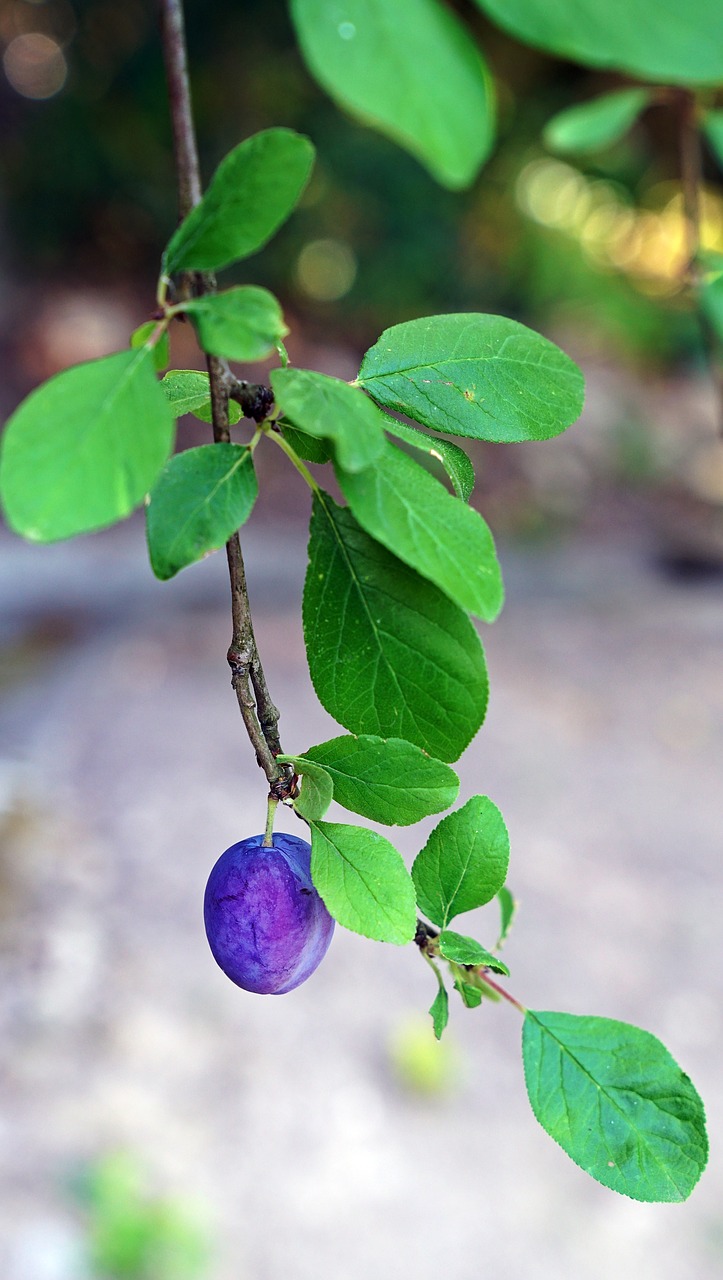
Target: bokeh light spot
[[326, 269], [35, 65]]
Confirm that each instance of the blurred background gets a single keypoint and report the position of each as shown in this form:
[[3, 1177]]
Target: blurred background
[[155, 1121]]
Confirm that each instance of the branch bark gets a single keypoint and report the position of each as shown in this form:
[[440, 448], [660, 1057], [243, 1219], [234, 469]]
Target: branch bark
[[260, 716]]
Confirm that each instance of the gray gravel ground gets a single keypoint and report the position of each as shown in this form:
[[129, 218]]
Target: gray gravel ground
[[124, 776]]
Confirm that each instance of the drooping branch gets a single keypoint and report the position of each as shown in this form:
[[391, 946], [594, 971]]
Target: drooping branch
[[259, 714]]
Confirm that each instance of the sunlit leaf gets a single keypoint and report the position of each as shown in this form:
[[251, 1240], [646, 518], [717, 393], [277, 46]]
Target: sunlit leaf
[[252, 192], [84, 448], [664, 40], [408, 68], [475, 375]]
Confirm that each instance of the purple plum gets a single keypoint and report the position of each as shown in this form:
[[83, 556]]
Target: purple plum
[[266, 925]]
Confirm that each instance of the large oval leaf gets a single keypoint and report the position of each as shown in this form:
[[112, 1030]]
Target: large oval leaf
[[671, 40], [475, 375], [617, 1102], [84, 448], [409, 68], [388, 652]]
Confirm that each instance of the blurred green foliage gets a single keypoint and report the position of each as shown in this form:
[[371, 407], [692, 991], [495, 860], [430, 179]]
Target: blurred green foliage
[[89, 185], [132, 1235]]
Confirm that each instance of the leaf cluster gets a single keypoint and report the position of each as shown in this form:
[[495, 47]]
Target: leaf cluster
[[394, 577]]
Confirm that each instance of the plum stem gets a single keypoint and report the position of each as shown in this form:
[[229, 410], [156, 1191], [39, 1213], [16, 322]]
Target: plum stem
[[260, 716], [271, 806]]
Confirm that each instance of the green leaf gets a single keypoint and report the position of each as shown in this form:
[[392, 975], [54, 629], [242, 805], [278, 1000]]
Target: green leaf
[[616, 1101], [453, 459], [363, 881], [463, 950], [402, 506], [475, 375], [252, 192], [329, 409], [161, 347], [240, 324], [662, 40], [187, 391], [304, 446], [471, 996], [713, 130], [464, 862], [317, 788], [508, 911], [592, 126], [409, 69], [388, 653], [439, 1009], [84, 448], [389, 781], [711, 301], [200, 499]]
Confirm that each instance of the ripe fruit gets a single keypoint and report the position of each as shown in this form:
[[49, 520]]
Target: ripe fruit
[[266, 925]]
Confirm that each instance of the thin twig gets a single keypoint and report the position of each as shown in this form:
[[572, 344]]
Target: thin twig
[[259, 714]]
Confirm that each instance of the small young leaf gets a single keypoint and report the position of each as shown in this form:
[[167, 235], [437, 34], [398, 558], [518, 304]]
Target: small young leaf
[[363, 881], [463, 950], [201, 497], [594, 125], [616, 1101], [331, 410], [84, 448], [388, 653], [187, 391], [475, 375], [453, 459], [240, 324], [251, 193], [472, 997], [464, 862], [317, 788], [161, 348], [402, 506], [305, 446], [439, 1010], [661, 40], [410, 69], [713, 130], [389, 781], [508, 911]]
